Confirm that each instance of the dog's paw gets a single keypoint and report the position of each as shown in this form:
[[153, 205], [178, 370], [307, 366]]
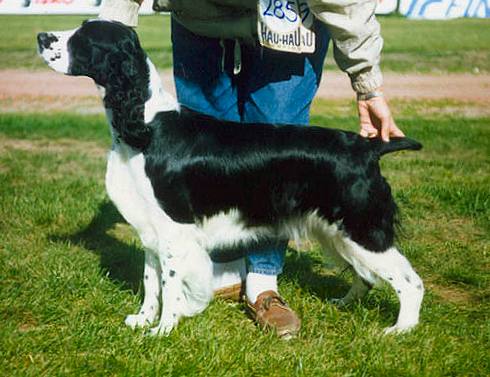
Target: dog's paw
[[339, 302], [165, 326], [139, 320], [162, 329], [396, 329]]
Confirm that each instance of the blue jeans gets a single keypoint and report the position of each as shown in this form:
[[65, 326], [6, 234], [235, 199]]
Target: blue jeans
[[271, 87]]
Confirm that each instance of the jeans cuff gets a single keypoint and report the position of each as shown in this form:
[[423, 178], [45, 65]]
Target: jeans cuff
[[265, 271]]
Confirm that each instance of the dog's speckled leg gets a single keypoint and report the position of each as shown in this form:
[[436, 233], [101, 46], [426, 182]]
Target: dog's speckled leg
[[151, 303]]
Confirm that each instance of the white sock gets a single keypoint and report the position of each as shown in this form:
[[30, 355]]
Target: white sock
[[258, 283], [230, 273]]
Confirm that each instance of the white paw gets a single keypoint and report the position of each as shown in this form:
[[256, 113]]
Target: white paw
[[139, 320], [162, 329], [396, 329]]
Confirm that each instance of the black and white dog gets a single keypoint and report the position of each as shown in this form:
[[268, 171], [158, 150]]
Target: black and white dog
[[190, 184]]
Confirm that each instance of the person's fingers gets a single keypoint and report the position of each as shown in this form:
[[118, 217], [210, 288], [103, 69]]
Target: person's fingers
[[385, 129], [375, 120], [395, 131], [367, 129]]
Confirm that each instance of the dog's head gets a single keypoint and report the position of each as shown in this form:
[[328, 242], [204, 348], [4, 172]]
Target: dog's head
[[98, 49], [109, 53]]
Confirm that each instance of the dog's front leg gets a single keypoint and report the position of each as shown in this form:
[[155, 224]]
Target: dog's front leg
[[172, 294], [186, 278], [151, 303]]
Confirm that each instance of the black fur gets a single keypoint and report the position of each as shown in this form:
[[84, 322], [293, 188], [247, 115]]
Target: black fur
[[200, 166], [110, 53]]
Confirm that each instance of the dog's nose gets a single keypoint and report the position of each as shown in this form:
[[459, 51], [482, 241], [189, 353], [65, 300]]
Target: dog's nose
[[44, 40]]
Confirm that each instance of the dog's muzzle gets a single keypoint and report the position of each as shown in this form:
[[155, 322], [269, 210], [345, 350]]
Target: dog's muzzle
[[44, 41]]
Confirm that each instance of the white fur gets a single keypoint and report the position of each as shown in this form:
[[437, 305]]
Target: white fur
[[159, 100]]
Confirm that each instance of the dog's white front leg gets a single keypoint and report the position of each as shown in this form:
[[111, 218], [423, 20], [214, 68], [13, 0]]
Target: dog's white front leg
[[172, 295], [186, 277], [151, 303]]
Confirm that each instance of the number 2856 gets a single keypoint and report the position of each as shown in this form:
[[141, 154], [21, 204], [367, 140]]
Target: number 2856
[[287, 10]]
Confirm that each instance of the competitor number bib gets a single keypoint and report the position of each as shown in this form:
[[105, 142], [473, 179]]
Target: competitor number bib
[[286, 26]]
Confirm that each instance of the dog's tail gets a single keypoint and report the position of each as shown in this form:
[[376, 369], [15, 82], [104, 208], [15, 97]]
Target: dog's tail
[[395, 144]]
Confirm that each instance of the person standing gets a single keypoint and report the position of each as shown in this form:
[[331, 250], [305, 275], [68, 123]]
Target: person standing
[[261, 61]]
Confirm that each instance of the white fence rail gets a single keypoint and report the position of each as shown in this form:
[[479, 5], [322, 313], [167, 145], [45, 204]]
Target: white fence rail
[[419, 9]]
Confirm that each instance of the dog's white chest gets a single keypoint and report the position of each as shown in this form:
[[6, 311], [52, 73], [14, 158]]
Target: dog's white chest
[[131, 191]]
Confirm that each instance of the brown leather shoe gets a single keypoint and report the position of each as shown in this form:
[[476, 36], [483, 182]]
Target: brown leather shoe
[[271, 312], [231, 293]]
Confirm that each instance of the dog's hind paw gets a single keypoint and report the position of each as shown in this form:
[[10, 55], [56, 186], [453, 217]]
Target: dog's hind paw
[[138, 320], [339, 302]]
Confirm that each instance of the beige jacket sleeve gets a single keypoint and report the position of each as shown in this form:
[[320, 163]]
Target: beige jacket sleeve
[[356, 37], [124, 11]]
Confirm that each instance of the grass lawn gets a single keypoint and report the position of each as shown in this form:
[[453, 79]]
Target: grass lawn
[[410, 46], [70, 268]]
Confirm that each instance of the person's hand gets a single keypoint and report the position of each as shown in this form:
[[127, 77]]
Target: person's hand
[[376, 120]]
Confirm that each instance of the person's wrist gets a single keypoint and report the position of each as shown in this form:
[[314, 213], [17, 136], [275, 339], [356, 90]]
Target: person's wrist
[[370, 95]]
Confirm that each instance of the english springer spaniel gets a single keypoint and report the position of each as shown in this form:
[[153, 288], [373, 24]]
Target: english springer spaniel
[[190, 184]]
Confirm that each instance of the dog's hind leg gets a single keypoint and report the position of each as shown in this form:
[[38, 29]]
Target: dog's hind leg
[[395, 269], [151, 303], [357, 291], [325, 235]]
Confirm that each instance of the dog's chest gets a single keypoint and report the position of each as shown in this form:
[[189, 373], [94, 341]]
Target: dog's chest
[[131, 191]]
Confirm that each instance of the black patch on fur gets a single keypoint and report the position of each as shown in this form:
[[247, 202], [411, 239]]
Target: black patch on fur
[[200, 166], [44, 40], [110, 53], [171, 273]]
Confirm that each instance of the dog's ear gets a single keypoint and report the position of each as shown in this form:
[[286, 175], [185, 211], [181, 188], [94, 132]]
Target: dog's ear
[[125, 76]]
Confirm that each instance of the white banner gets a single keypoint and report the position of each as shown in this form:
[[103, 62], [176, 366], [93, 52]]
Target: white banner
[[445, 9], [58, 7]]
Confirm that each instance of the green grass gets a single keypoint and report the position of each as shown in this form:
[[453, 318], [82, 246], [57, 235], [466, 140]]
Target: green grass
[[410, 46], [70, 268]]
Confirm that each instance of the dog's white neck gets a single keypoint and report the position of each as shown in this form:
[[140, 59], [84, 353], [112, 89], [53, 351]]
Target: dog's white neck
[[159, 100]]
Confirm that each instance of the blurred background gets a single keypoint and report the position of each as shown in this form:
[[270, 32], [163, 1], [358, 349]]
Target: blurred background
[[423, 9]]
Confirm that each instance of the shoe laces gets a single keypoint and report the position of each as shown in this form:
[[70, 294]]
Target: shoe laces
[[271, 300]]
